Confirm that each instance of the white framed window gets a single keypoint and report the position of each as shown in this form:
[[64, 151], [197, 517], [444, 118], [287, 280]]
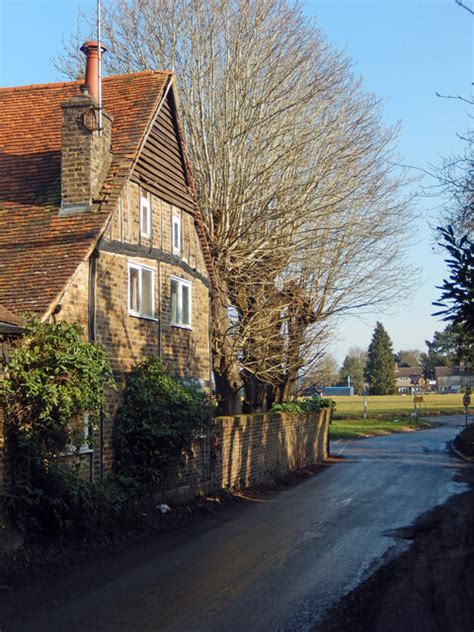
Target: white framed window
[[145, 216], [85, 447], [81, 436], [141, 283], [180, 302], [176, 235]]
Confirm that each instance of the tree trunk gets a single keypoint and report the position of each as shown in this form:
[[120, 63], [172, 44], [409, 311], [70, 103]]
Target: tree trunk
[[255, 395], [229, 400], [224, 358]]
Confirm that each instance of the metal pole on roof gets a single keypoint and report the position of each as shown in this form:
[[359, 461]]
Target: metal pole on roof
[[99, 67]]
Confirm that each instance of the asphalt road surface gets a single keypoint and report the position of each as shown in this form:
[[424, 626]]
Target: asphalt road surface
[[276, 564]]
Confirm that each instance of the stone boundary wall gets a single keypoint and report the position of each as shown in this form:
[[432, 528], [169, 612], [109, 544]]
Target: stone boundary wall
[[238, 452]]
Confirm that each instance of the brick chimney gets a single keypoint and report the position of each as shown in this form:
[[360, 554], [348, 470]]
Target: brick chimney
[[85, 149]]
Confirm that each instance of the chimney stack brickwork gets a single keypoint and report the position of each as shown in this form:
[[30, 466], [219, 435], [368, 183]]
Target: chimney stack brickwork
[[85, 153]]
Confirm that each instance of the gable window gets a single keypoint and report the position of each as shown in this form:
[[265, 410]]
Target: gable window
[[141, 282], [145, 217], [180, 302], [176, 235]]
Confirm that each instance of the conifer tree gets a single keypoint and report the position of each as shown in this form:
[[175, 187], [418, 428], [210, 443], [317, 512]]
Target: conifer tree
[[380, 369]]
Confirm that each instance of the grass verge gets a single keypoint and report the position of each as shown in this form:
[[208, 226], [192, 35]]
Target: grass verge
[[362, 428]]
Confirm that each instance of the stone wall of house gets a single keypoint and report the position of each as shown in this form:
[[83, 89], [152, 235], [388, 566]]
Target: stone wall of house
[[74, 300], [237, 452], [129, 339], [125, 227]]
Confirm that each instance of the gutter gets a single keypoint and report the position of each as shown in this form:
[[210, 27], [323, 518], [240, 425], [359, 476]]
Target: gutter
[[9, 329]]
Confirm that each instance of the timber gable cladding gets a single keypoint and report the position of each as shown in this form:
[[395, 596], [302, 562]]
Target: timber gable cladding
[[93, 282], [161, 165]]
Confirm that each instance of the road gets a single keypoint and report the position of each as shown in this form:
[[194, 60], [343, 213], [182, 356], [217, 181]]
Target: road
[[276, 564]]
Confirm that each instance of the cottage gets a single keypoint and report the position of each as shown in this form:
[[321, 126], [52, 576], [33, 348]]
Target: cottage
[[452, 379], [405, 376], [99, 223]]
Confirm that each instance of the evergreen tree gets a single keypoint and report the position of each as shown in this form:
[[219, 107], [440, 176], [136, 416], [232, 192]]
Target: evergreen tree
[[458, 289], [450, 347], [380, 369]]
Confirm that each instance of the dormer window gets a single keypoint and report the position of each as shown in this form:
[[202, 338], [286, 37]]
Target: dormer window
[[176, 235], [145, 217]]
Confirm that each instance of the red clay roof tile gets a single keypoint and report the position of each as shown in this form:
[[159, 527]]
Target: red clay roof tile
[[6, 316], [39, 251]]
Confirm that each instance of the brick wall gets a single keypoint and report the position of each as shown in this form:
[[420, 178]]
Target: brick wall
[[130, 339], [237, 452], [85, 154], [75, 299]]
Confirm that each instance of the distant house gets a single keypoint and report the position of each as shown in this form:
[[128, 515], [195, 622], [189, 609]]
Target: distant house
[[451, 379], [99, 222], [403, 379]]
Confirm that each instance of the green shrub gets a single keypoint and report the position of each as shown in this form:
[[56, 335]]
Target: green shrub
[[159, 417], [292, 408], [303, 406], [311, 405], [324, 402], [60, 503], [52, 378]]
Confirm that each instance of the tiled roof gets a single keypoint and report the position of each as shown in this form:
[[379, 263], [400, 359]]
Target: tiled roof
[[39, 251], [445, 371], [8, 317], [406, 371]]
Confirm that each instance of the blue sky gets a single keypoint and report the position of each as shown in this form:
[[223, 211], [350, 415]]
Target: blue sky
[[405, 50]]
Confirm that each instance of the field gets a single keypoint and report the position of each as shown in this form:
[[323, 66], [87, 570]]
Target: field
[[388, 414], [398, 405]]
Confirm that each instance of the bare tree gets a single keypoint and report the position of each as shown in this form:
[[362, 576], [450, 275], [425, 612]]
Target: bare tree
[[465, 6], [293, 170], [324, 370]]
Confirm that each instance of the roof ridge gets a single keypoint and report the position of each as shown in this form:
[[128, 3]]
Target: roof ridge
[[62, 84], [138, 74]]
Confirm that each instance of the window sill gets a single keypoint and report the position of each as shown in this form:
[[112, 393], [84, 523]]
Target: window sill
[[73, 451], [188, 327], [137, 315]]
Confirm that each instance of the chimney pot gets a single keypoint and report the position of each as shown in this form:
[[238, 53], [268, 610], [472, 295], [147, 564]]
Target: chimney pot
[[91, 51]]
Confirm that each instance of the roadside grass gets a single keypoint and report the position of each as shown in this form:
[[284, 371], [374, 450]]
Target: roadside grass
[[383, 406], [387, 414], [357, 428]]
